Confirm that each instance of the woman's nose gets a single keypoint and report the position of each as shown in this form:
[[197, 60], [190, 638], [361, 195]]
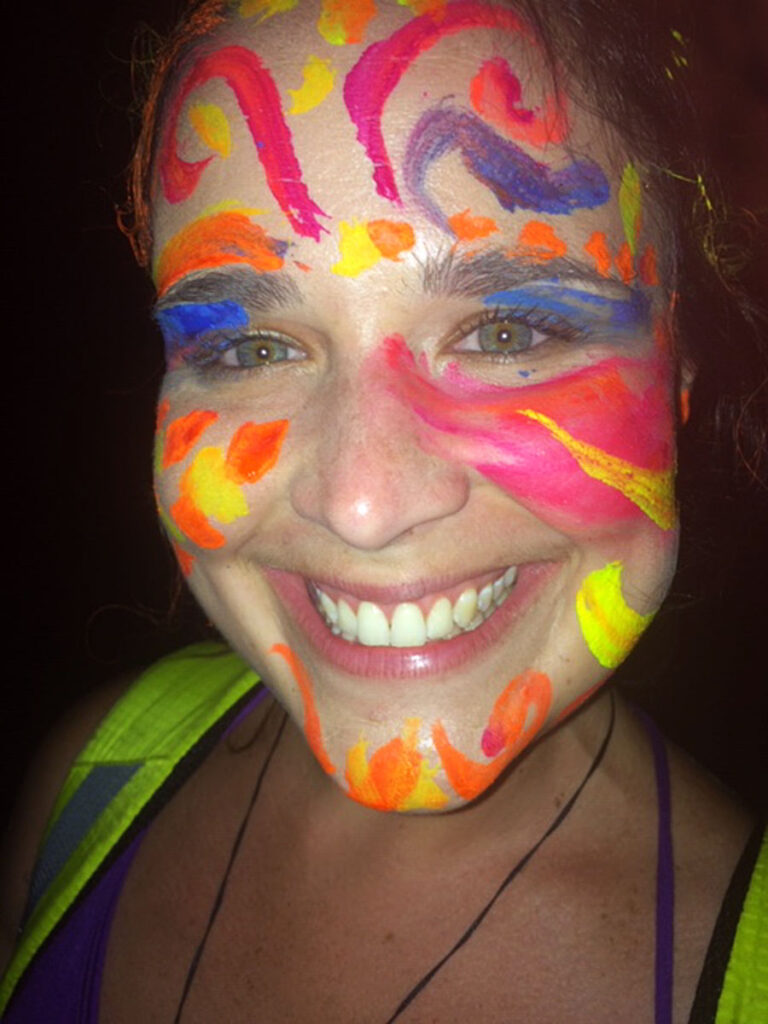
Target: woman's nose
[[366, 476]]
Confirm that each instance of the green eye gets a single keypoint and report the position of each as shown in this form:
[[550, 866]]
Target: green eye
[[259, 351], [504, 336]]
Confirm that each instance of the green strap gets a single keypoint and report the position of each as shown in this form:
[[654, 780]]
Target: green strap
[[156, 723], [744, 998]]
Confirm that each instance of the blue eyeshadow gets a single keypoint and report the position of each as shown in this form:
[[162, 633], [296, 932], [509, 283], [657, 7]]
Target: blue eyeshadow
[[183, 323], [583, 308]]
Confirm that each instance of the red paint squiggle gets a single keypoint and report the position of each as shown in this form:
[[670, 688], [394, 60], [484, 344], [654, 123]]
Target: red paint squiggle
[[259, 101], [371, 81]]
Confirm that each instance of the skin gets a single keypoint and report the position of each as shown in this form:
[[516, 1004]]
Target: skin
[[397, 452]]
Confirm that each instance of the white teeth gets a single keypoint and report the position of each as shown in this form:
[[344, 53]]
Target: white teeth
[[408, 626], [465, 607], [372, 625], [369, 625], [440, 619]]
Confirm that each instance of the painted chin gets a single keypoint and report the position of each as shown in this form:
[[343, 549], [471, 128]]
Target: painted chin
[[432, 660]]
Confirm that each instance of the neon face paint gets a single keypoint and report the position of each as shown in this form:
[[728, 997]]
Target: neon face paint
[[218, 240], [312, 728], [538, 242], [319, 77], [372, 80], [344, 21], [467, 227], [212, 127], [517, 717], [259, 101], [515, 178], [183, 434], [495, 93], [609, 626], [597, 248], [184, 325], [362, 246], [631, 205], [396, 777], [266, 8]]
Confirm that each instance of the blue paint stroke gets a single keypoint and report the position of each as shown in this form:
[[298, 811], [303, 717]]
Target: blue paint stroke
[[585, 310], [190, 321], [514, 177]]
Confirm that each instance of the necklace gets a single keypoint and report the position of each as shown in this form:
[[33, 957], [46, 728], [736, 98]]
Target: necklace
[[466, 935]]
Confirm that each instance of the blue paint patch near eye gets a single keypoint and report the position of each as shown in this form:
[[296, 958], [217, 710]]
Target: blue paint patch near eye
[[515, 178], [190, 321], [585, 310]]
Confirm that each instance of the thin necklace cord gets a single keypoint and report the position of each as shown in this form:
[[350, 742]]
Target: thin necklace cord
[[467, 935], [217, 903]]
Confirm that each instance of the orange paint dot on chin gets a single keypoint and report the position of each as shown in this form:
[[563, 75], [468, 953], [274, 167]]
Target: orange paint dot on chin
[[254, 450], [183, 433], [597, 248], [391, 237], [540, 243], [467, 227]]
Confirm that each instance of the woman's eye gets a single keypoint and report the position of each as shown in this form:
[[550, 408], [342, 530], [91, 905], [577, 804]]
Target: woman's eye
[[501, 337], [261, 350]]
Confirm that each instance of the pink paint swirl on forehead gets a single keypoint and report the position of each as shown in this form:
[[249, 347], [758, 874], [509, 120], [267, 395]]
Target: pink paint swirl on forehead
[[371, 81], [259, 101], [619, 408]]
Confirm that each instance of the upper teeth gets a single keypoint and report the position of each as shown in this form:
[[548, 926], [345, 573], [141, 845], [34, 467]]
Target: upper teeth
[[409, 627]]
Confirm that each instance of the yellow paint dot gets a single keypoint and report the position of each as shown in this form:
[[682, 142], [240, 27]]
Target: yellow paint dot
[[211, 124], [318, 81], [266, 8], [211, 489], [610, 627], [358, 252]]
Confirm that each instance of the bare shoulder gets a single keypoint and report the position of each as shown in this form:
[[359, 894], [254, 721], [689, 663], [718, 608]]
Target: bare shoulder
[[45, 777]]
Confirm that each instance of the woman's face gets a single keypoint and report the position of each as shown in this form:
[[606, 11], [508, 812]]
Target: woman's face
[[415, 443]]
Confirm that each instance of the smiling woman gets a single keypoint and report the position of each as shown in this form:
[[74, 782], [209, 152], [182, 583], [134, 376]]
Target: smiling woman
[[416, 455]]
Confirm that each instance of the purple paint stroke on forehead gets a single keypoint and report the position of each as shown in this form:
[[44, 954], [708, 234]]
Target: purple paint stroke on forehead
[[259, 101], [371, 81], [516, 179]]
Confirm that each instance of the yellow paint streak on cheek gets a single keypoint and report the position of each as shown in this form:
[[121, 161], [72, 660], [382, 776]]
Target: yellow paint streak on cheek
[[358, 252], [651, 490], [610, 627], [318, 81], [211, 124], [631, 205], [211, 489], [266, 8]]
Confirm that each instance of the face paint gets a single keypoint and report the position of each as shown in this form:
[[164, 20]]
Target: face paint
[[319, 77], [435, 8], [259, 102], [344, 21], [266, 8], [610, 627], [538, 242], [647, 268], [312, 728], [597, 248], [495, 93], [631, 205], [516, 719], [514, 177], [371, 81], [467, 227], [212, 127], [183, 325], [362, 246], [396, 777], [625, 263], [218, 240], [184, 433]]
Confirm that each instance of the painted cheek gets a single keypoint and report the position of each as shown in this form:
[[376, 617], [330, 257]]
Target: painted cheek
[[590, 448]]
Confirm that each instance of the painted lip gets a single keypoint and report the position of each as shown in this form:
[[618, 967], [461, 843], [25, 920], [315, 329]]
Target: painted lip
[[433, 659]]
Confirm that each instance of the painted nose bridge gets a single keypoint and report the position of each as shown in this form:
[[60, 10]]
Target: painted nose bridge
[[369, 480]]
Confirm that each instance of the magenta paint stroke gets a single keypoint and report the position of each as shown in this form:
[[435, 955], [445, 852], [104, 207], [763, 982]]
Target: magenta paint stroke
[[259, 101], [515, 178], [370, 83], [621, 405]]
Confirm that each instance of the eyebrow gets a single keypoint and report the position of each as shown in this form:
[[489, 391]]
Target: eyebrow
[[492, 270], [258, 292]]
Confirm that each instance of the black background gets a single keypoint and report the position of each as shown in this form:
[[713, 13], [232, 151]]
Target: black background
[[91, 591]]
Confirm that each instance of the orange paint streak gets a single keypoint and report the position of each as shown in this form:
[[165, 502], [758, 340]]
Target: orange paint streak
[[647, 266], [391, 237], [254, 450], [467, 227], [215, 241], [185, 560], [597, 248], [191, 521], [162, 413], [624, 263], [393, 772], [685, 405], [312, 729], [508, 722], [183, 433], [540, 242]]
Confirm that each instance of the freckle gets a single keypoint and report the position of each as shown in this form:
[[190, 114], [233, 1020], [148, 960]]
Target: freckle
[[389, 937], [558, 802]]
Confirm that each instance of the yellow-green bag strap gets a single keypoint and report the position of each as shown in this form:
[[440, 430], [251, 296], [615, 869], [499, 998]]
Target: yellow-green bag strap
[[159, 722], [744, 998]]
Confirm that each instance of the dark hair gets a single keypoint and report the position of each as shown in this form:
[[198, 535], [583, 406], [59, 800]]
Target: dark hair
[[633, 65]]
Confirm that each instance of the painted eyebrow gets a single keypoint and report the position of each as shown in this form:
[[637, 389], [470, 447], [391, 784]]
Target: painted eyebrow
[[492, 270], [258, 292]]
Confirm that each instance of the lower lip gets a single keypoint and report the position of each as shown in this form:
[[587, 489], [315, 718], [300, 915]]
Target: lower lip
[[433, 659]]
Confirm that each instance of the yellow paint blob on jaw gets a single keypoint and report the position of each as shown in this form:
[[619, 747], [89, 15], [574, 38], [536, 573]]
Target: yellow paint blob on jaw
[[319, 77], [651, 490], [345, 21], [631, 205], [266, 8], [610, 627], [358, 252], [212, 127], [212, 490]]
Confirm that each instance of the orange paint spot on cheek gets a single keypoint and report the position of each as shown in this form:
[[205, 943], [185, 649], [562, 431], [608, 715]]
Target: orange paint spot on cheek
[[466, 227], [312, 729], [254, 450], [183, 433], [625, 264], [597, 248], [162, 413], [647, 266], [541, 242], [391, 237], [191, 521], [185, 559]]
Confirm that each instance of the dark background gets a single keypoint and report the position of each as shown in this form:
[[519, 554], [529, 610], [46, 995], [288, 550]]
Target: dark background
[[93, 588]]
